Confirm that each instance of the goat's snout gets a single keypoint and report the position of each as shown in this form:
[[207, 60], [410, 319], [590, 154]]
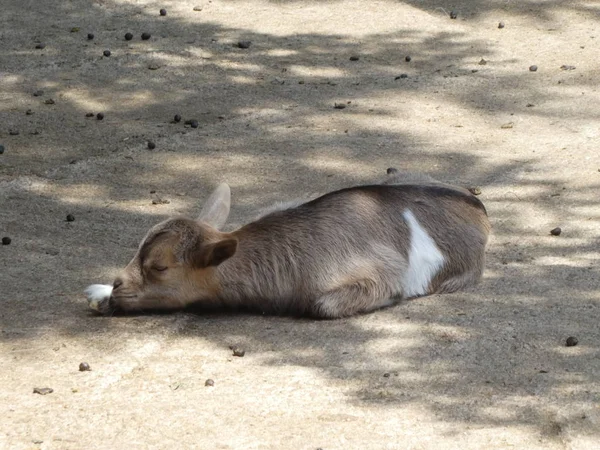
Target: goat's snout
[[118, 282]]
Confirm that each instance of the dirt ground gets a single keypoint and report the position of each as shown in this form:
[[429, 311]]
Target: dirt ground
[[486, 368]]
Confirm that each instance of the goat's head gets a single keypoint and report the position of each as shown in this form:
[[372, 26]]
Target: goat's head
[[175, 263]]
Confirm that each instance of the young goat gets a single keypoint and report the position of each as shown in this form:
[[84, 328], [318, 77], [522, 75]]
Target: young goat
[[350, 251]]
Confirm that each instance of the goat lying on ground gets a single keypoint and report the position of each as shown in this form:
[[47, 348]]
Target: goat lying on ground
[[350, 251]]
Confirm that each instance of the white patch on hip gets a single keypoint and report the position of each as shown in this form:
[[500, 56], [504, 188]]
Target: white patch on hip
[[424, 259], [97, 293]]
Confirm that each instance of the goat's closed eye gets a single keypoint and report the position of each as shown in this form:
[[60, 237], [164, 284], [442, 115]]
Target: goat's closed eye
[[159, 268]]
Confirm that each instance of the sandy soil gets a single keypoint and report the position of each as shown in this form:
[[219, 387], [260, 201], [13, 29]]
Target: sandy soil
[[487, 368]]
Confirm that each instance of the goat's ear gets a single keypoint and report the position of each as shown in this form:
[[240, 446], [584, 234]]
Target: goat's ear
[[212, 254], [216, 208]]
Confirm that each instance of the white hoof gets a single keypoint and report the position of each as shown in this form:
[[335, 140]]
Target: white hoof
[[97, 293]]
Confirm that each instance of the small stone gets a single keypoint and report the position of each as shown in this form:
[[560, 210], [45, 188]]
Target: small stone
[[106, 53], [153, 66], [29, 112], [453, 14], [177, 118], [501, 25], [572, 341], [555, 231], [407, 58], [401, 76], [209, 382], [244, 44], [198, 8], [146, 36], [507, 125], [161, 201], [567, 67], [533, 68], [128, 36], [339, 105], [354, 58], [386, 375], [49, 101], [1, 149], [13, 132], [151, 145], [43, 391], [84, 367], [40, 46], [38, 93], [237, 351], [482, 62], [391, 170], [100, 116], [70, 218], [529, 105], [90, 36], [75, 30], [37, 441], [6, 240], [474, 190], [89, 114], [163, 12]]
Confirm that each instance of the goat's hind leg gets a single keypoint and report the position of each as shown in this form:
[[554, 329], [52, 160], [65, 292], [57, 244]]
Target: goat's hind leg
[[360, 296]]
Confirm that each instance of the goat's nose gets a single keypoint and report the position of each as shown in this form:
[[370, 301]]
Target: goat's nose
[[118, 282]]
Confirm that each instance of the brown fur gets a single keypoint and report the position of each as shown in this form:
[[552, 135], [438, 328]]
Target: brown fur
[[340, 254]]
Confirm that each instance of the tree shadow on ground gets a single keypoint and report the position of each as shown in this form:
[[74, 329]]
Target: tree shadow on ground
[[430, 351]]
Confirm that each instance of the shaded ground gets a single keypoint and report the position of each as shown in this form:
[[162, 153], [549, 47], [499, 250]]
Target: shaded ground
[[484, 368]]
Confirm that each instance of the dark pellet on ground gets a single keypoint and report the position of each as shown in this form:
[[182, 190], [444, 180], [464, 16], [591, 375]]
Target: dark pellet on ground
[[339, 105], [49, 101], [6, 240], [453, 14], [43, 391], [128, 36], [70, 218], [391, 170], [209, 382], [106, 53], [84, 367], [40, 46], [572, 341], [90, 36], [501, 25], [402, 75], [100, 116], [177, 118], [29, 112], [244, 44], [354, 58], [13, 132], [146, 36], [532, 68], [407, 58], [163, 12], [386, 375], [555, 231], [89, 114], [1, 149], [237, 351], [194, 123], [151, 145], [38, 93]]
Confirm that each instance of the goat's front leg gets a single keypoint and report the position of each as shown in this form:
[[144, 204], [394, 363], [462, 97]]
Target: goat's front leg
[[360, 296]]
